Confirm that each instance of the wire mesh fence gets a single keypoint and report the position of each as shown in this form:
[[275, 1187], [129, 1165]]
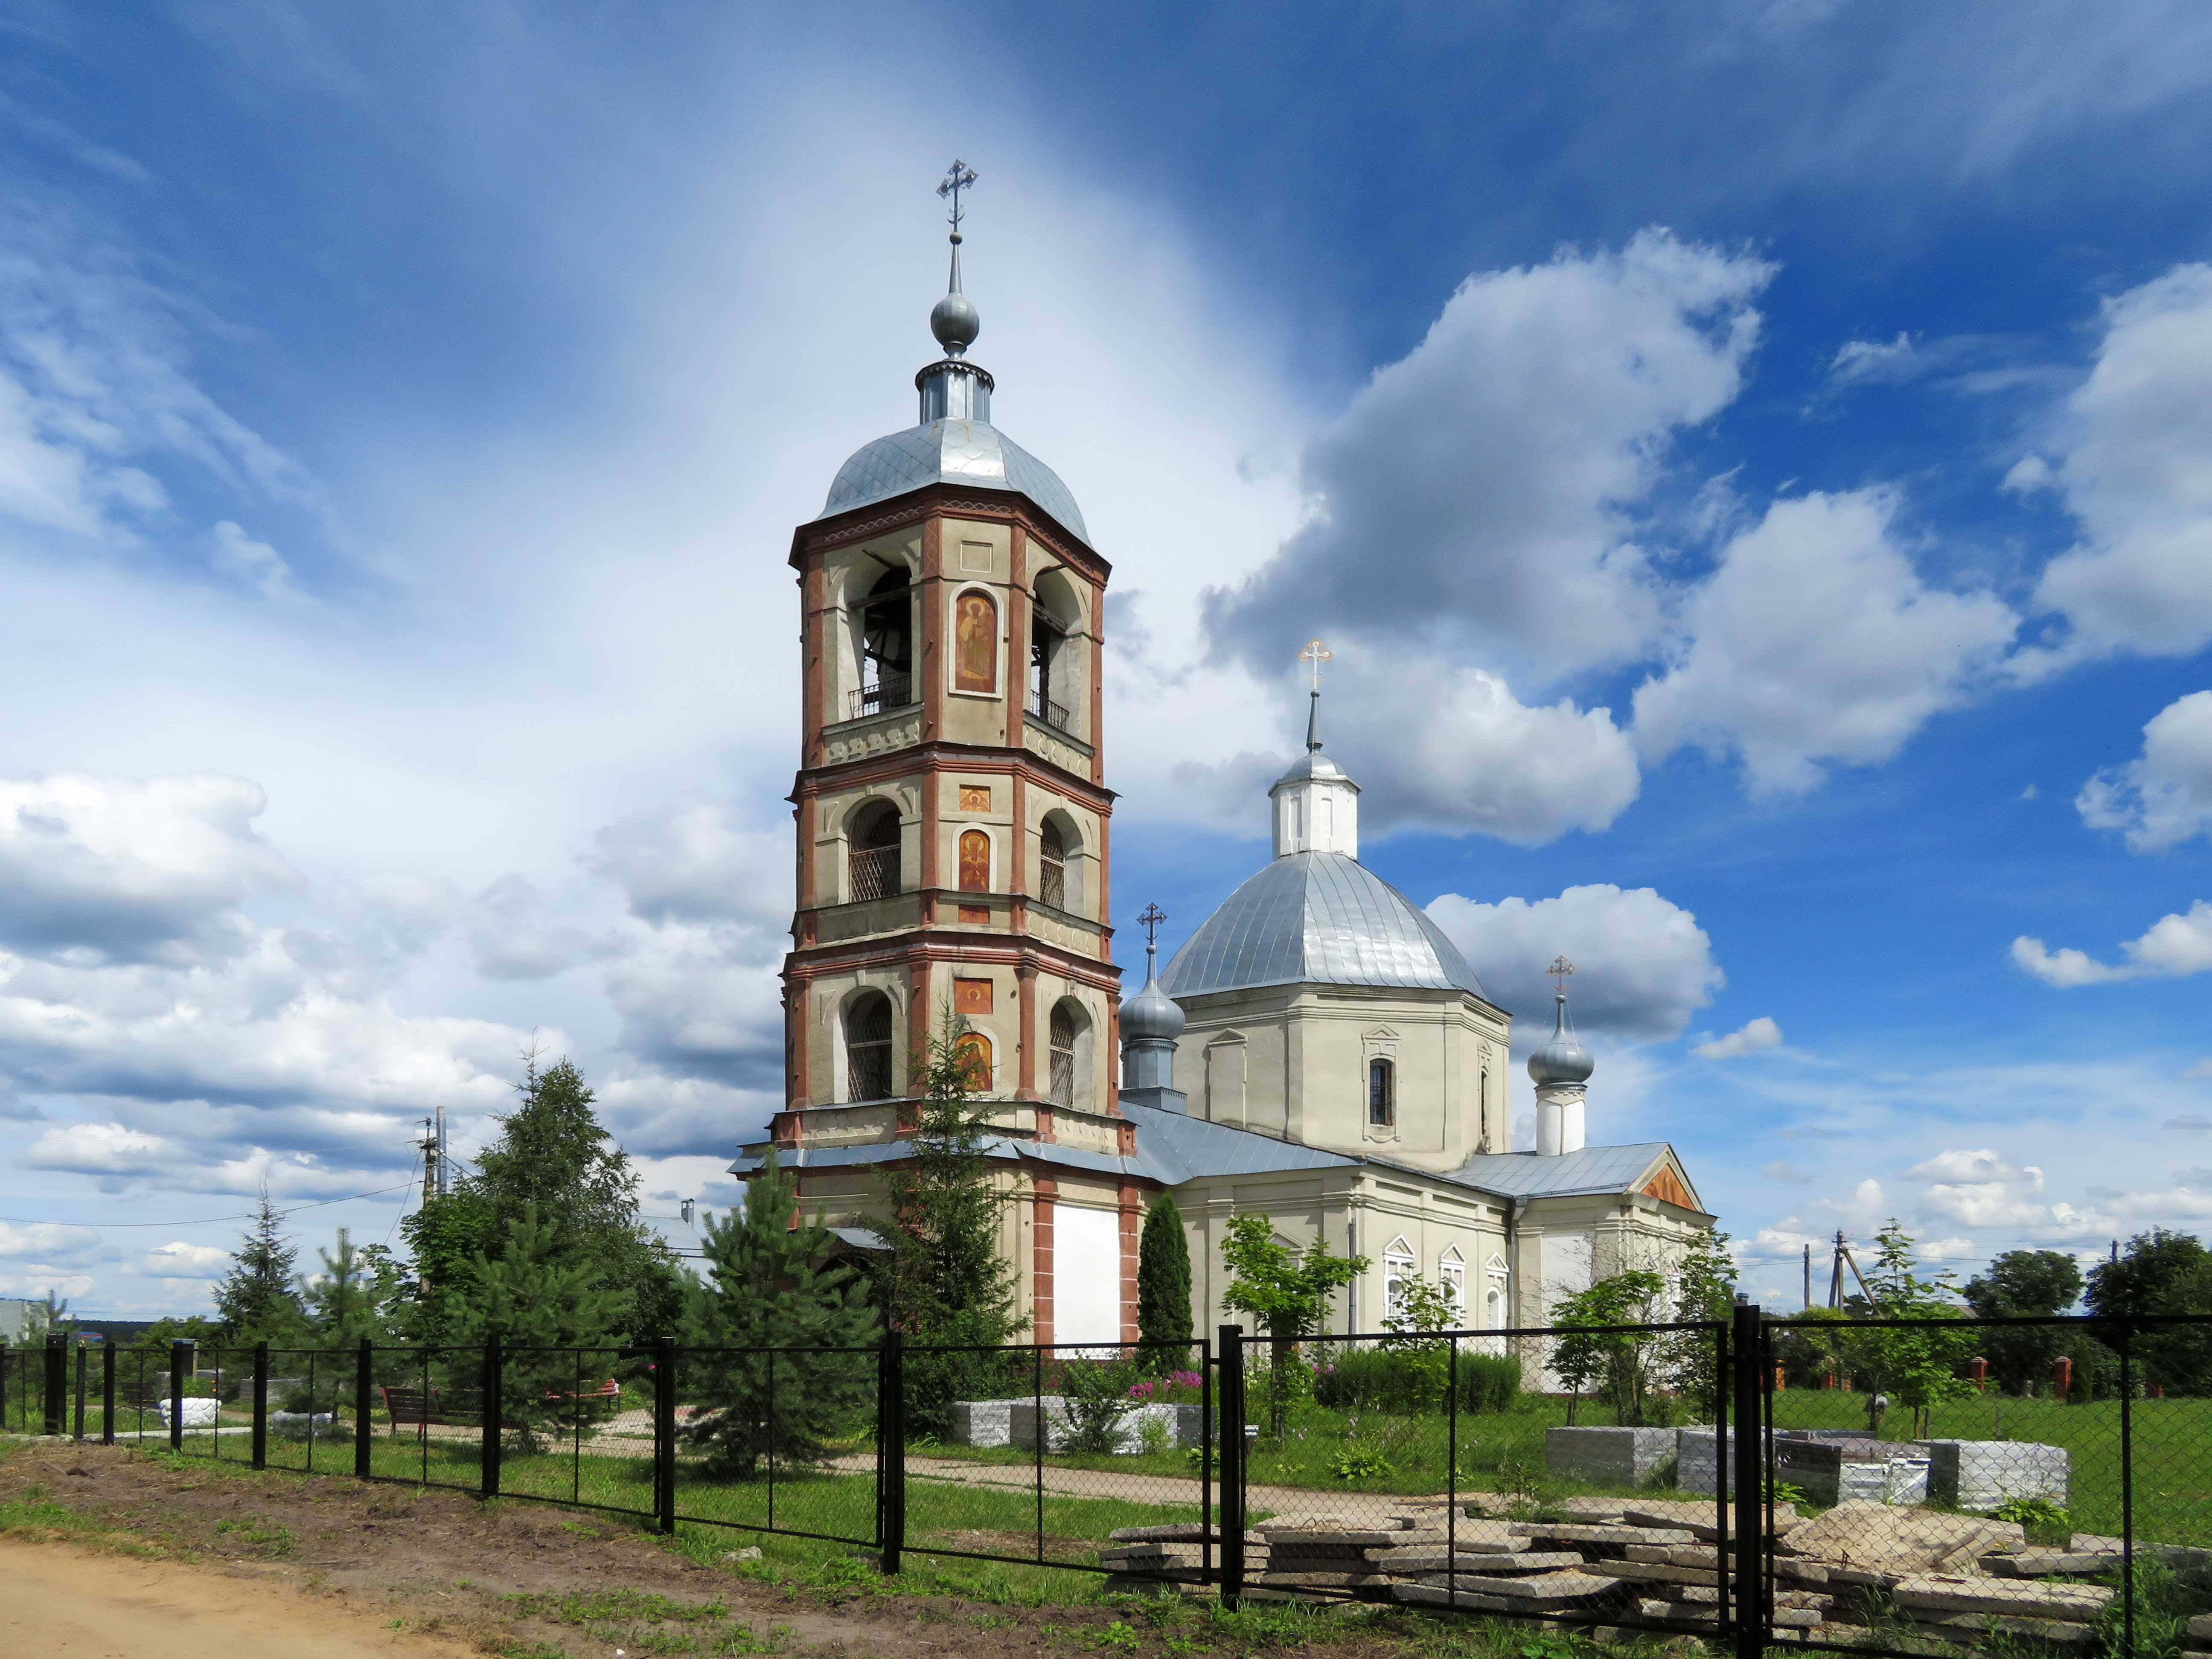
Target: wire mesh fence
[[1904, 1486]]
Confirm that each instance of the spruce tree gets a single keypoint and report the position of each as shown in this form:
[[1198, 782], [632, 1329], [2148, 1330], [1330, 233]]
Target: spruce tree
[[558, 1318], [946, 1282], [792, 1364], [1164, 1287], [254, 1302], [551, 1153], [353, 1295]]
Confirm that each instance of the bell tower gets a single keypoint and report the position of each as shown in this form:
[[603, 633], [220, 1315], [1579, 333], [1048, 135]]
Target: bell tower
[[952, 816]]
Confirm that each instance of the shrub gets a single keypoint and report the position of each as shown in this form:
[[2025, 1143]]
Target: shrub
[[1366, 1379], [1488, 1382]]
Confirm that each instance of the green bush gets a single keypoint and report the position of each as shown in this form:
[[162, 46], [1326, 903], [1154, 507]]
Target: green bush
[[1407, 1382]]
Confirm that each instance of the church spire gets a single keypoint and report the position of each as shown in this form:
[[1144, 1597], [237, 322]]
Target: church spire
[[1559, 1069], [953, 388], [1316, 806]]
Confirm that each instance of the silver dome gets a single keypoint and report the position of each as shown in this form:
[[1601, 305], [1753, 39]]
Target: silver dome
[[1317, 919], [973, 452], [956, 322], [1151, 1013], [1563, 1060]]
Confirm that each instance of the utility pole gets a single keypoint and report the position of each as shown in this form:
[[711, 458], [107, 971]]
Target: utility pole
[[1809, 1278], [442, 1171], [431, 1186]]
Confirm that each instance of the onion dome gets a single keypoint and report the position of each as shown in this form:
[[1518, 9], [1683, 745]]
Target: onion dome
[[1563, 1060], [1151, 1013]]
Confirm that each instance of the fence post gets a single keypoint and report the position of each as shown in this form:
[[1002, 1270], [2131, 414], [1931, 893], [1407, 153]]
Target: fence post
[[261, 1405], [108, 1393], [891, 1451], [664, 1434], [2127, 1492], [494, 1393], [364, 1395], [1744, 1353], [182, 1358], [83, 1358], [57, 1384], [1230, 1434]]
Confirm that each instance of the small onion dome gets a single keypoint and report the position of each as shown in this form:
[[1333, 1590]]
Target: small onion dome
[[1563, 1059], [956, 323], [1152, 1013]]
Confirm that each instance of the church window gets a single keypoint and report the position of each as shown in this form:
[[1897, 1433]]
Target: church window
[[1398, 1269], [974, 643], [973, 1050], [868, 1046], [1451, 1278], [1048, 643], [886, 648], [1052, 866], [1381, 1093], [1061, 1090], [873, 854], [974, 861]]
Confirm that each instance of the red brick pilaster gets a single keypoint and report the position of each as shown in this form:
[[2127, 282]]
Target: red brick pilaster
[[1025, 1073], [1047, 1197], [1132, 1220]]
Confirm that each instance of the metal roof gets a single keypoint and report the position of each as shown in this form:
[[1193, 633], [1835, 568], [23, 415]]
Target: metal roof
[[964, 452], [1173, 1148], [1526, 1175], [1321, 919]]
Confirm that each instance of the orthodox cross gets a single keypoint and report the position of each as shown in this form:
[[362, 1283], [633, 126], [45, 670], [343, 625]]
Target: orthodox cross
[[962, 177], [1150, 921], [1314, 654], [1559, 971]]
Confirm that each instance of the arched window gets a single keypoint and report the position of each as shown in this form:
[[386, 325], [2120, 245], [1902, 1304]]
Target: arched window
[[886, 647], [1451, 1277], [873, 854], [974, 643], [868, 1046], [1062, 1089], [1398, 1268], [1052, 866], [974, 861], [1381, 1093], [973, 1049]]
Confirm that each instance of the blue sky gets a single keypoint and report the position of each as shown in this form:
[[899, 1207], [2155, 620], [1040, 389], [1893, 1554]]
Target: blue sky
[[1752, 460]]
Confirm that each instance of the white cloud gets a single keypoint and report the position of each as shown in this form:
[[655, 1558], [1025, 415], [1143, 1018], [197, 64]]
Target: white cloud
[[1816, 640], [181, 1260], [256, 563], [1643, 963], [2164, 796], [2173, 947], [1761, 1033], [2132, 454], [117, 870], [1496, 463], [1875, 362], [1982, 1188]]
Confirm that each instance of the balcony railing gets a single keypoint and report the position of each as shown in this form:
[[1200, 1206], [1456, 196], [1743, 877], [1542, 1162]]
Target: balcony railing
[[875, 872], [1051, 713], [891, 691]]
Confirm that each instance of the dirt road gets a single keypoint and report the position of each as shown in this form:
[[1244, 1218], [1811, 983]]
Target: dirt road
[[58, 1600]]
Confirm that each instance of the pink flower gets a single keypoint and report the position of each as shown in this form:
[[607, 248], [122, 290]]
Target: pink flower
[[1140, 1391]]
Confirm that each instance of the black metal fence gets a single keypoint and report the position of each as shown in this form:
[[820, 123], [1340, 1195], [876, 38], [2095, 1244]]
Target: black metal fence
[[1904, 1487]]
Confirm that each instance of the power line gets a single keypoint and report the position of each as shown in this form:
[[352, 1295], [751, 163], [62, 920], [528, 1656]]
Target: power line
[[210, 1221]]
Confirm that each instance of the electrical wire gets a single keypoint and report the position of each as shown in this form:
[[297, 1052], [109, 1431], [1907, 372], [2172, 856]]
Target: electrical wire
[[209, 1221]]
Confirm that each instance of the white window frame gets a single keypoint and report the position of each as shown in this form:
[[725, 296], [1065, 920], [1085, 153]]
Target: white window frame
[[1399, 1265], [1451, 1278]]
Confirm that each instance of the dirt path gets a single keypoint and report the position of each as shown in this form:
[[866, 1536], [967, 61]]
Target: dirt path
[[56, 1599]]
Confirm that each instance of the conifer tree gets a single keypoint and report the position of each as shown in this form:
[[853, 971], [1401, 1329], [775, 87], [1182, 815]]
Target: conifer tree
[[254, 1302], [353, 1295], [558, 1319], [946, 1282], [1163, 1286], [792, 1332]]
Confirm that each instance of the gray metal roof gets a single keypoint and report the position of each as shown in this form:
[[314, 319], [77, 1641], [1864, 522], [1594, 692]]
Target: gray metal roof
[[1526, 1175], [1173, 1148], [950, 452], [1317, 919]]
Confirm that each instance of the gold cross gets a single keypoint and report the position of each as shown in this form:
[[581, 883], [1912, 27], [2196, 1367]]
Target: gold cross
[[1559, 971], [1316, 653]]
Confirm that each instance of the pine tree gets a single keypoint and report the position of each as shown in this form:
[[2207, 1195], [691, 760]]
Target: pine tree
[[255, 1302], [353, 1295], [795, 1364], [1163, 1286], [946, 1282], [557, 1316], [552, 1152]]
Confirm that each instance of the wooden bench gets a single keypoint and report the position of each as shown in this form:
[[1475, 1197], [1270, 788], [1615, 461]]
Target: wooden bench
[[422, 1409]]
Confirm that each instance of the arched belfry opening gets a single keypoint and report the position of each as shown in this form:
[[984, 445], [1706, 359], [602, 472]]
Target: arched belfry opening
[[870, 1022], [1053, 666], [886, 646], [873, 852]]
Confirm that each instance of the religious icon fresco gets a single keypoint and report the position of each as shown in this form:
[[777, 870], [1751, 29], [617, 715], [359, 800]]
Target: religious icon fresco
[[974, 861], [974, 1050], [975, 643]]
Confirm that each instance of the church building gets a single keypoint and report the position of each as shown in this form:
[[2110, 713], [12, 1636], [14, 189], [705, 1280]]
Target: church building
[[1317, 1050]]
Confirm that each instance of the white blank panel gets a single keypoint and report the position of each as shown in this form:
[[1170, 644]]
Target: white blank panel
[[1086, 1274]]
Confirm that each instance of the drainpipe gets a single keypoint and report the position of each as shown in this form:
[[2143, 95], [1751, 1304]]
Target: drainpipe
[[1514, 1211]]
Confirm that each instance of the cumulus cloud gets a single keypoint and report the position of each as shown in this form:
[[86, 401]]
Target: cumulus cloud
[[514, 937], [2164, 796], [1761, 1033], [1495, 464], [118, 870], [694, 861], [180, 1259], [2173, 947], [1816, 640], [1980, 1188], [2131, 455], [1643, 963]]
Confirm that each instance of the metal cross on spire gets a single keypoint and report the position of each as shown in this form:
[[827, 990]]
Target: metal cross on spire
[[1559, 971], [1314, 654], [1150, 922], [961, 177]]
